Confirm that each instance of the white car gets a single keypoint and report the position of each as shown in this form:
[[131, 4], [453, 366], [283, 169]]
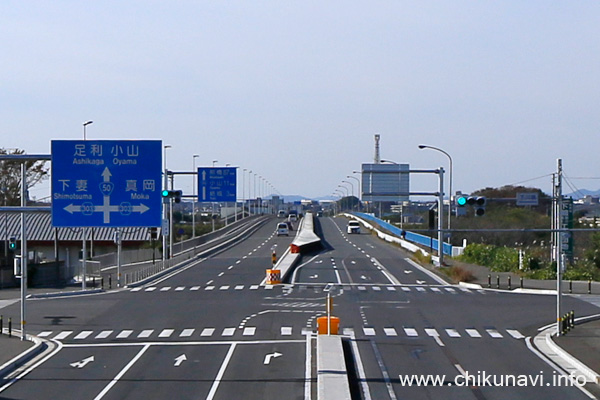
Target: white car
[[282, 229], [353, 227]]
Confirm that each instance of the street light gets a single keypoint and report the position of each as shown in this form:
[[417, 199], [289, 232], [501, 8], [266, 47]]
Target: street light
[[86, 123], [165, 207], [195, 199], [214, 162], [451, 197]]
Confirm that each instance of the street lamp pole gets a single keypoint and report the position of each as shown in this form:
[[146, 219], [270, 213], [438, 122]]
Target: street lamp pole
[[195, 198], [451, 196]]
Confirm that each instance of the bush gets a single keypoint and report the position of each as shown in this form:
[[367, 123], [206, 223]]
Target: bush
[[460, 274], [498, 259]]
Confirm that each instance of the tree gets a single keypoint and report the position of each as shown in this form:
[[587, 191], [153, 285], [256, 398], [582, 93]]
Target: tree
[[10, 176]]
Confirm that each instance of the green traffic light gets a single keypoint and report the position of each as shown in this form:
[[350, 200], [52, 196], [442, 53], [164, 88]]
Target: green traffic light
[[461, 201], [165, 193]]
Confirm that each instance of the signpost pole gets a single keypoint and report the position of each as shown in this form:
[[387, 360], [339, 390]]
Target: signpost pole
[[441, 218], [83, 262], [24, 258]]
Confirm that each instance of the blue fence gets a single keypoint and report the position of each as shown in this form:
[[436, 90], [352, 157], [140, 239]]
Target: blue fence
[[410, 236]]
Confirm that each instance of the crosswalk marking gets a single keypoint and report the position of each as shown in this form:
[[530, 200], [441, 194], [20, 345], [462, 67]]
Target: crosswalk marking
[[83, 335], [165, 289], [124, 334], [150, 289], [412, 332], [137, 289], [494, 333], [449, 289], [452, 333], [224, 287], [207, 332], [194, 288], [209, 288], [390, 332], [286, 331], [103, 334], [420, 289], [146, 333], [514, 333], [473, 333], [431, 332], [63, 335], [180, 288], [187, 332], [254, 287], [239, 287], [228, 332], [166, 333], [249, 331], [406, 289], [369, 331], [437, 290]]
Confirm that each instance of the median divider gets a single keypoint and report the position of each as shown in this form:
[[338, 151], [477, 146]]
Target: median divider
[[305, 239], [332, 374]]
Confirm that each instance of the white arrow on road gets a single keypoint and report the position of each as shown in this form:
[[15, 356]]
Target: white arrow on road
[[421, 282], [82, 363], [179, 360], [408, 271], [270, 356]]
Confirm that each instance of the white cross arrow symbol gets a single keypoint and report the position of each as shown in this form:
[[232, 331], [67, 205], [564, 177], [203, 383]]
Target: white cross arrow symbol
[[179, 360], [82, 363], [270, 356]]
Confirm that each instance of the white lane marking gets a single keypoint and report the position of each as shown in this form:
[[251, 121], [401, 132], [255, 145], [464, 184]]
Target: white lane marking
[[145, 333], [150, 289], [390, 332], [452, 333], [369, 331], [286, 331], [103, 335], [217, 381], [239, 287], [473, 333], [494, 333], [180, 288], [166, 333], [124, 334], [165, 289], [420, 289], [427, 272], [254, 287], [207, 332], [137, 289], [249, 331], [406, 289], [515, 333], [412, 332], [63, 335], [122, 372], [228, 332], [194, 288], [224, 287], [437, 290], [209, 288], [45, 334], [187, 332], [83, 335]]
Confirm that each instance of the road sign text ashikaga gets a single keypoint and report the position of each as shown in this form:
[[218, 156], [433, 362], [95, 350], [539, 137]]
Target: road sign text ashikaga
[[106, 183]]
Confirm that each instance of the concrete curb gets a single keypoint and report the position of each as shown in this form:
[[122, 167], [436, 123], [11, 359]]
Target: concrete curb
[[586, 371], [11, 365], [332, 375], [64, 294]]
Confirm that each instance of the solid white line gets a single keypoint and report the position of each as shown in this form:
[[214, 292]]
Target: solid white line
[[217, 381], [123, 372], [427, 272], [307, 367], [361, 369], [531, 347], [460, 369]]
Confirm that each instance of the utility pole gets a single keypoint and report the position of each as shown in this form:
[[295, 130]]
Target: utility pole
[[557, 245]]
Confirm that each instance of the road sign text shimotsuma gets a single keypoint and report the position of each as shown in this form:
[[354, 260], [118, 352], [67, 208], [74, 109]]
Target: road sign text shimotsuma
[[108, 183]]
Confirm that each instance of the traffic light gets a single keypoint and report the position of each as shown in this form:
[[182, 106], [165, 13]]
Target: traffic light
[[479, 206], [172, 194], [12, 243], [477, 202]]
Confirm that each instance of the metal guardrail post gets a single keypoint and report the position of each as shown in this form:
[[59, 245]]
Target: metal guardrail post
[[497, 281], [509, 285], [489, 281]]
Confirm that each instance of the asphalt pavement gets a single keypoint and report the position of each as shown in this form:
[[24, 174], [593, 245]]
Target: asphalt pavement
[[581, 342]]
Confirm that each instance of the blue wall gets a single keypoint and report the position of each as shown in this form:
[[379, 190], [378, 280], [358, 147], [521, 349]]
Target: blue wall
[[410, 236]]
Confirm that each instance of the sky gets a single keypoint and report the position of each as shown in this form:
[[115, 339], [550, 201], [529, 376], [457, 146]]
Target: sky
[[296, 90]]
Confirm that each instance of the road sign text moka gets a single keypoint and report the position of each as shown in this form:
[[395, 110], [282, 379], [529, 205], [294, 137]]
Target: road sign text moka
[[106, 183]]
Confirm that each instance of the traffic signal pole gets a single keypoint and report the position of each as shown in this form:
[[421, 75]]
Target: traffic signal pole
[[441, 217], [24, 260]]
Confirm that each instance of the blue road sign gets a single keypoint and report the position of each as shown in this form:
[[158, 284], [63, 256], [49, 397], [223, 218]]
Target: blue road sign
[[217, 184], [106, 183]]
